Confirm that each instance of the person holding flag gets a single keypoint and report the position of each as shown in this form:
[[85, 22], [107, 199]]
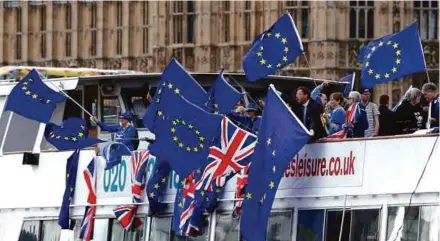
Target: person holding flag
[[126, 133], [430, 92]]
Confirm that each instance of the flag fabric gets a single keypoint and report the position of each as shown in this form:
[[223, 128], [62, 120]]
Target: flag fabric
[[236, 145], [126, 214], [392, 57], [184, 205], [72, 134], [113, 153], [401, 99], [156, 187], [242, 180], [281, 136], [33, 99], [351, 116], [177, 78], [274, 48], [86, 231], [184, 131], [349, 87], [71, 172], [222, 97]]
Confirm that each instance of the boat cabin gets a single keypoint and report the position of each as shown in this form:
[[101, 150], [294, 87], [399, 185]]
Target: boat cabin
[[367, 189]]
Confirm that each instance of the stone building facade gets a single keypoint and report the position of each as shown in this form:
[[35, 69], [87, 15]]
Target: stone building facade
[[205, 35]]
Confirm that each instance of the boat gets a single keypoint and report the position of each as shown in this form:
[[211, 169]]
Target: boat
[[375, 189]]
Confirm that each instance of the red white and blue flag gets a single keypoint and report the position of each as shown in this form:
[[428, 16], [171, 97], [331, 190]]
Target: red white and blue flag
[[351, 117], [242, 180], [126, 214], [236, 145], [86, 232]]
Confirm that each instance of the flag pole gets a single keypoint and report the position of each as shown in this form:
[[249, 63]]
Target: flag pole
[[68, 96], [246, 93], [343, 217], [310, 68]]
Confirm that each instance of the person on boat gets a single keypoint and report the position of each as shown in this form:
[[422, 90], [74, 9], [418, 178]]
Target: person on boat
[[372, 114], [250, 122], [360, 122], [386, 117], [126, 133], [409, 115], [430, 92], [337, 116]]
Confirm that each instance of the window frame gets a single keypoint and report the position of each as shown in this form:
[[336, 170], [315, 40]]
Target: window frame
[[357, 8], [179, 20], [427, 26]]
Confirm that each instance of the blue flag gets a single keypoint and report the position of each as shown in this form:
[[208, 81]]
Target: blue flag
[[180, 80], [33, 99], [156, 187], [276, 47], [72, 134], [71, 172], [281, 137], [222, 97], [113, 153], [346, 89], [184, 132], [392, 57]]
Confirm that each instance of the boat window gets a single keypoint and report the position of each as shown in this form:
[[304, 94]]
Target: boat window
[[100, 229], [72, 109], [310, 225], [50, 231], [30, 231], [414, 223], [46, 230], [227, 228], [160, 228], [111, 109], [21, 133], [136, 102], [117, 233], [280, 226], [358, 225]]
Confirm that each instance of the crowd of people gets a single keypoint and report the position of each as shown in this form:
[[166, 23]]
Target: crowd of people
[[327, 114]]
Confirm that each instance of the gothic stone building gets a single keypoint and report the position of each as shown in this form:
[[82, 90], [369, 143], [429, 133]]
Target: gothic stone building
[[205, 35]]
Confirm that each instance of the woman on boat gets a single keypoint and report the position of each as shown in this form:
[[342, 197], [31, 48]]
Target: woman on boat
[[360, 122], [409, 115], [337, 116]]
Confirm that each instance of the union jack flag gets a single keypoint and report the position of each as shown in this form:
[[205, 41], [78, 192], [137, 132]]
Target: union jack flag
[[351, 117], [188, 196], [126, 214], [242, 180], [86, 232], [236, 145]]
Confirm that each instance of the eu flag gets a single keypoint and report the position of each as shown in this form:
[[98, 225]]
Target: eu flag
[[176, 76], [222, 97], [71, 171], [156, 187], [392, 57], [72, 134], [346, 89], [274, 48], [33, 99], [113, 153], [184, 132], [281, 136]]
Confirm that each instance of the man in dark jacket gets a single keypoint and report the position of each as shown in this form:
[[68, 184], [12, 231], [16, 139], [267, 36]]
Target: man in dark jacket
[[386, 117], [308, 111]]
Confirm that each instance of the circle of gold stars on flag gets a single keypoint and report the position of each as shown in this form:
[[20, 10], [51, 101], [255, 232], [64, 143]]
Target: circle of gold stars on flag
[[283, 59], [27, 91], [180, 142], [73, 138], [159, 92], [397, 60]]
